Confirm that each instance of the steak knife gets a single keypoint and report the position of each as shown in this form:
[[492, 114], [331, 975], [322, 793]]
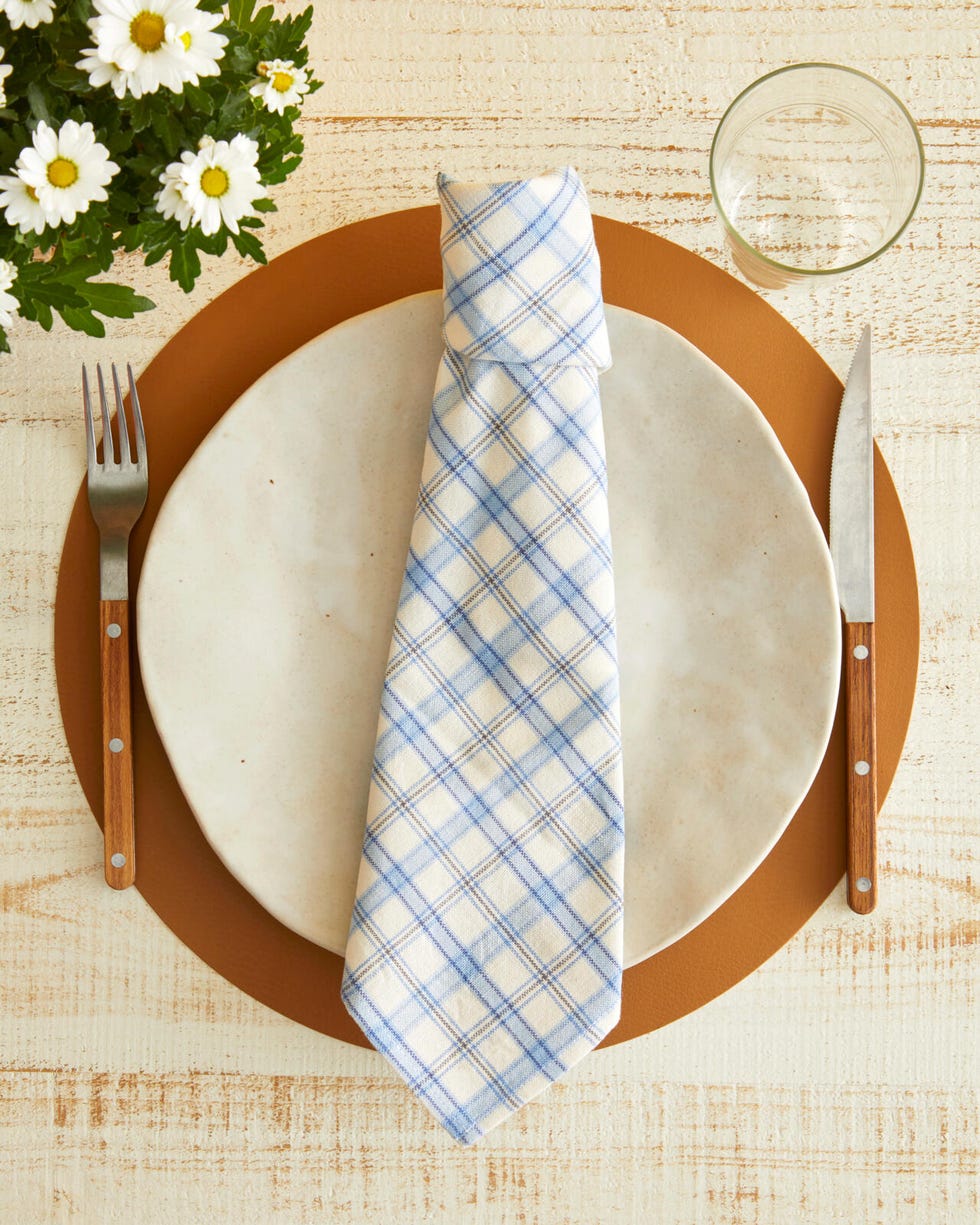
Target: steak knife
[[852, 551]]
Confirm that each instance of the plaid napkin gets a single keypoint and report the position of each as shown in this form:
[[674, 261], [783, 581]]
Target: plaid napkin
[[485, 949]]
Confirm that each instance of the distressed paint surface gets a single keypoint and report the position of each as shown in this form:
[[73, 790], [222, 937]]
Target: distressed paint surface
[[837, 1084]]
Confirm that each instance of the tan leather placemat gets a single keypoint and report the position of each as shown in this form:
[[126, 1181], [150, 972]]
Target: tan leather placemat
[[222, 351]]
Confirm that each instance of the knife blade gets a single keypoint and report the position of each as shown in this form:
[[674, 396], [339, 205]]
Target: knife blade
[[852, 551]]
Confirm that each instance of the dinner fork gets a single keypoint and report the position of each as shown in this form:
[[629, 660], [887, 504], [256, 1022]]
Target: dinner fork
[[117, 491]]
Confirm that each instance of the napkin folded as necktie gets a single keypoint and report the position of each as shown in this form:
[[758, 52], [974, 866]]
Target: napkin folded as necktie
[[485, 950]]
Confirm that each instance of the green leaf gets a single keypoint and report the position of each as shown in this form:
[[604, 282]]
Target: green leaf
[[285, 39], [249, 245], [285, 168], [302, 22], [47, 293], [131, 237], [37, 312], [81, 320], [240, 12], [199, 100], [154, 249], [87, 246], [114, 301], [163, 126], [116, 140], [37, 99], [124, 202], [140, 113], [232, 110], [210, 244], [57, 280], [185, 265], [155, 255], [68, 79], [265, 205], [262, 20]]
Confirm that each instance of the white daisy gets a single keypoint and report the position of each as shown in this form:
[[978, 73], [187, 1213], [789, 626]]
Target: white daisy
[[5, 71], [66, 170], [215, 186], [141, 46], [281, 84], [8, 303], [30, 13]]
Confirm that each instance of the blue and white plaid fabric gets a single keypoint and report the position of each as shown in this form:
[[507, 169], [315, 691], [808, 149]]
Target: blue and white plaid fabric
[[485, 948]]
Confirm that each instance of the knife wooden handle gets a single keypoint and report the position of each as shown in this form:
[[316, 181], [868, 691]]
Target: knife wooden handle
[[862, 787], [117, 746]]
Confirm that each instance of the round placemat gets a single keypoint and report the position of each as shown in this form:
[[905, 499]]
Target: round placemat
[[205, 368]]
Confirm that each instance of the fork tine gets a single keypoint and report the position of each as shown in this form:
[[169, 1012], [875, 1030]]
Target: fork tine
[[138, 418], [108, 454], [125, 455], [89, 421]]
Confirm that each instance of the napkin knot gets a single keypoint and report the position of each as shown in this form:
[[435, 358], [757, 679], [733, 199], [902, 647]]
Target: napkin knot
[[521, 272]]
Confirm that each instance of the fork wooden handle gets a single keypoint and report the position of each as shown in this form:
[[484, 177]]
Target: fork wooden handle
[[862, 789], [117, 746]]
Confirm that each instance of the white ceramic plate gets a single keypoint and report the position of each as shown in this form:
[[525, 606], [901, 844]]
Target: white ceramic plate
[[271, 578]]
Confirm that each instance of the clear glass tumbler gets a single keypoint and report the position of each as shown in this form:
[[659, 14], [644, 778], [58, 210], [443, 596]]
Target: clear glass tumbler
[[816, 169]]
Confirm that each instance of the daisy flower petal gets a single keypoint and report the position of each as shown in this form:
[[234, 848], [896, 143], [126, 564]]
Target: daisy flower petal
[[20, 205], [8, 303], [170, 199], [30, 13], [5, 71]]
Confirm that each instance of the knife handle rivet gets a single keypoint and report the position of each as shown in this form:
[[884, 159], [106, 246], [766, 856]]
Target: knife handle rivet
[[115, 745], [863, 885], [118, 860], [113, 630], [861, 652], [862, 767]]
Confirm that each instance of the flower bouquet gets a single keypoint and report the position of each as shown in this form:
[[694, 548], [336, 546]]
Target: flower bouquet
[[137, 125]]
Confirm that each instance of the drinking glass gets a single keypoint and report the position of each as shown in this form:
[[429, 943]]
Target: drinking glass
[[816, 169]]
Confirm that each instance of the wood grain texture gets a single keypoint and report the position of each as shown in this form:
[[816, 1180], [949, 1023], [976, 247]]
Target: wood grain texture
[[862, 766], [837, 1084], [119, 840]]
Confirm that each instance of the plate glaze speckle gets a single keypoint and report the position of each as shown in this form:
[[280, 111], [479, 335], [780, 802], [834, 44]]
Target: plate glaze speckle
[[269, 587]]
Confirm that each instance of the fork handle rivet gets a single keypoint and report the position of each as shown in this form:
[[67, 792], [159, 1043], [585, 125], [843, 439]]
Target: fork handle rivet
[[113, 630], [115, 745]]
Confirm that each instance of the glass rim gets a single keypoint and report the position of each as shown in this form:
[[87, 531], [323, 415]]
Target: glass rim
[[796, 269]]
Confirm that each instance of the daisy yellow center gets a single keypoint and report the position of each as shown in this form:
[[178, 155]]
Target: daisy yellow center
[[147, 30], [62, 172], [282, 81], [31, 192], [214, 181]]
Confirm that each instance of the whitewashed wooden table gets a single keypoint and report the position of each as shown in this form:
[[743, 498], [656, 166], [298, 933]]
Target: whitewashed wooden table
[[839, 1082]]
